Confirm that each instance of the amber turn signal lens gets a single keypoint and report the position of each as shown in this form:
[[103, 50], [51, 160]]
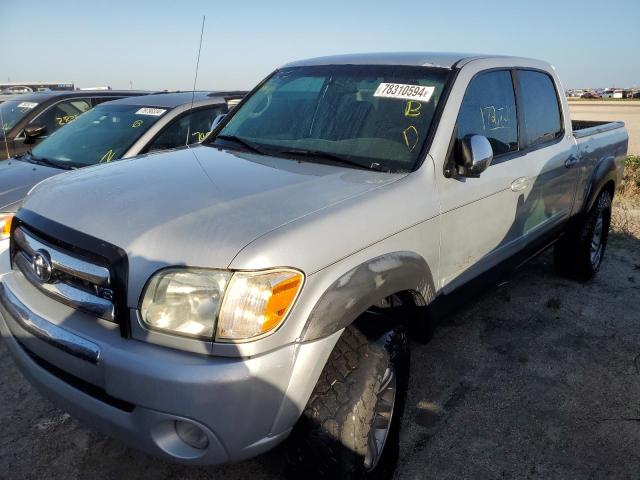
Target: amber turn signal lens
[[256, 303], [5, 225], [282, 295]]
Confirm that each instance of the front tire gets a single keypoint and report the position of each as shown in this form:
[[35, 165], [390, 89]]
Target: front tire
[[350, 426], [580, 252]]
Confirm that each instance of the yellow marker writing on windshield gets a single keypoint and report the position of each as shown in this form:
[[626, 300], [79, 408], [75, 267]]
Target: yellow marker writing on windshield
[[411, 137], [412, 109], [136, 124], [107, 157]]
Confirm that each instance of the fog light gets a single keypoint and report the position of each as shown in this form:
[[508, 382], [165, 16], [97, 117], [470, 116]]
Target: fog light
[[192, 435]]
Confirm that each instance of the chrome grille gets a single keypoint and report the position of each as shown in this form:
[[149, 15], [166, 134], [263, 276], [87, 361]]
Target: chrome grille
[[69, 279]]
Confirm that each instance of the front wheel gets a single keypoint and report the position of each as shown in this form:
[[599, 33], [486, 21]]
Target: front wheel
[[580, 252], [350, 426]]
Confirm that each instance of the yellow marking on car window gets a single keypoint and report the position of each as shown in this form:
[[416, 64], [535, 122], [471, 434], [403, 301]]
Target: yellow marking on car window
[[411, 136], [107, 157], [62, 121], [200, 136], [412, 108], [136, 124]]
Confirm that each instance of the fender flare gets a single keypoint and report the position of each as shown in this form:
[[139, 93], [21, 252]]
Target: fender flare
[[605, 171], [364, 285]]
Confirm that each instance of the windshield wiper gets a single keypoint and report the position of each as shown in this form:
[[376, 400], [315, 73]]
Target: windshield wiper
[[333, 157], [49, 163], [245, 143]]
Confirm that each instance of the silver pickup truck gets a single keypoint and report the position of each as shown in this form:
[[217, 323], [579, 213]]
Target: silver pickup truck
[[207, 303]]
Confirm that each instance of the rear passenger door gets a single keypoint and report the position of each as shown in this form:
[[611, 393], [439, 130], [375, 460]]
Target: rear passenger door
[[550, 155]]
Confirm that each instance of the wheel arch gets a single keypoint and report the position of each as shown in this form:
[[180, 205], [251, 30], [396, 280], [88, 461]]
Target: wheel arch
[[604, 177], [402, 272]]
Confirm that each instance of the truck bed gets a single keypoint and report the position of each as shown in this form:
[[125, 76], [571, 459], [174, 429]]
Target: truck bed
[[585, 128], [598, 143]]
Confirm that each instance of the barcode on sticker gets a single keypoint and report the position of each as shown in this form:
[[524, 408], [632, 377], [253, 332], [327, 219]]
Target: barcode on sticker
[[156, 112], [404, 92], [27, 105]]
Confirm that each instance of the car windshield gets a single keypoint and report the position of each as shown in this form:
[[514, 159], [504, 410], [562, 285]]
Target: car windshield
[[12, 111], [368, 116], [100, 135]]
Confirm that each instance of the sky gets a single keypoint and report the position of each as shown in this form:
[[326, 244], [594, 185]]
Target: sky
[[154, 44]]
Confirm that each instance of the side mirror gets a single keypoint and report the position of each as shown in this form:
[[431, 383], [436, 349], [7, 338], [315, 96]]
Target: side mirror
[[476, 155], [31, 132], [217, 120]]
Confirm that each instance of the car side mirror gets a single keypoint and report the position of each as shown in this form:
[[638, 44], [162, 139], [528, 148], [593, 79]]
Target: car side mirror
[[476, 155], [31, 132], [218, 120]]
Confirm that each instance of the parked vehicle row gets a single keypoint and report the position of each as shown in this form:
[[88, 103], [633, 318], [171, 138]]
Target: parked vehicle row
[[111, 131], [206, 303], [27, 119], [604, 93], [10, 90]]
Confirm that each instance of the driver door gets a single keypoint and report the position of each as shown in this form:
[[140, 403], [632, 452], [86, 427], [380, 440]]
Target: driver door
[[480, 225]]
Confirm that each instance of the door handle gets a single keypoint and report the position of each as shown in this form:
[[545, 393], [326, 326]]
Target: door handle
[[571, 161], [520, 184]]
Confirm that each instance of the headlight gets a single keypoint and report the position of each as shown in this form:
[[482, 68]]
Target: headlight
[[184, 301], [5, 225], [240, 305]]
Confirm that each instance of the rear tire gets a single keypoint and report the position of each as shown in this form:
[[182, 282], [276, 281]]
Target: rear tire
[[580, 251], [350, 427]]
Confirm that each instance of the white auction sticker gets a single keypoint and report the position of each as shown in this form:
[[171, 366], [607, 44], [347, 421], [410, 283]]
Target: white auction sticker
[[404, 92], [28, 105], [155, 112]]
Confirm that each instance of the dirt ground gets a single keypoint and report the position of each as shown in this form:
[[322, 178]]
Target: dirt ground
[[628, 112], [537, 378]]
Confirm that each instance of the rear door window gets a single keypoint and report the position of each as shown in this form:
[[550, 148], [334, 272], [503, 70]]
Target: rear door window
[[540, 109], [489, 109]]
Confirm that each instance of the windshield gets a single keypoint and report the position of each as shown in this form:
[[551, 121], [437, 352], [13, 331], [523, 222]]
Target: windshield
[[100, 135], [12, 111], [372, 116]]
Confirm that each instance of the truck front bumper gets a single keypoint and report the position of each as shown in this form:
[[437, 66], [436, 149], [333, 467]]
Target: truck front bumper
[[139, 393]]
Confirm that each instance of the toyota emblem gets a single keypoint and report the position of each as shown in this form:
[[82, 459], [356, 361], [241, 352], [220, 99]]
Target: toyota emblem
[[41, 263]]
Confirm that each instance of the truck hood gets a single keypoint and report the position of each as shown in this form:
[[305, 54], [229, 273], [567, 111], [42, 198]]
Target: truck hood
[[17, 178], [195, 206]]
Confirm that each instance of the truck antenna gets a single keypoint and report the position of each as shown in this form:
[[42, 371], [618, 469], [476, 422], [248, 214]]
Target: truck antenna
[[195, 79]]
